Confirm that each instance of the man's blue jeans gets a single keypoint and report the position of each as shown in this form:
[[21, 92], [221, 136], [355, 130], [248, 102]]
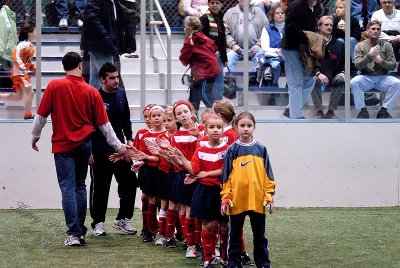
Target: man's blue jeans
[[218, 89], [63, 10], [71, 170], [96, 61], [353, 43], [234, 57], [299, 82], [384, 83]]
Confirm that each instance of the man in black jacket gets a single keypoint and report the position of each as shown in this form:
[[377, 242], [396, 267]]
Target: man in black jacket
[[301, 15], [331, 72], [102, 35], [117, 108]]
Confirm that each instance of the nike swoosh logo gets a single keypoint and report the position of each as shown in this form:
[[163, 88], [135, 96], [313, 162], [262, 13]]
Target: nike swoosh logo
[[245, 163]]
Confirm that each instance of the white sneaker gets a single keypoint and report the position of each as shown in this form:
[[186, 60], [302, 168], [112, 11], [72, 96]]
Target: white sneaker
[[79, 23], [125, 226], [191, 252], [161, 241], [72, 241], [63, 23], [99, 229]]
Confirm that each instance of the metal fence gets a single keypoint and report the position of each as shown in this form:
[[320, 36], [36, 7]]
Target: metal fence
[[25, 10]]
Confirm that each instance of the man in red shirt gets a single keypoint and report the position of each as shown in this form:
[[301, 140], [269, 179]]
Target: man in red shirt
[[76, 110]]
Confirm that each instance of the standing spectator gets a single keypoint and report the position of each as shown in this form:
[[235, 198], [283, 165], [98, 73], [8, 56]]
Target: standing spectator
[[374, 58], [117, 108], [104, 26], [129, 41], [389, 18], [8, 37], [301, 15], [22, 64], [76, 110], [357, 10], [331, 72], [213, 27], [339, 25], [234, 18], [200, 52], [63, 12]]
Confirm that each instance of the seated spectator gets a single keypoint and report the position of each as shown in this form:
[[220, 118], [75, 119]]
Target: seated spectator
[[195, 7], [374, 58], [338, 31], [63, 12], [266, 5], [389, 18], [271, 36], [357, 10], [331, 72], [234, 38]]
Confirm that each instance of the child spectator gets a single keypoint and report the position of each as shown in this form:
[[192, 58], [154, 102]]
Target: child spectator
[[247, 187], [200, 53], [22, 64]]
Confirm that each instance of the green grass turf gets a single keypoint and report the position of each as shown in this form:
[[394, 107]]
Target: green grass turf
[[317, 237]]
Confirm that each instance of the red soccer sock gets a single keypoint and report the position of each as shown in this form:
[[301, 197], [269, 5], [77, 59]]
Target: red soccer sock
[[197, 231], [145, 207], [243, 249], [189, 226], [182, 221], [152, 218], [207, 239], [172, 215]]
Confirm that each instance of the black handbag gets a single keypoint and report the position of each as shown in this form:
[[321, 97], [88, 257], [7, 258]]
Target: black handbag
[[187, 79], [229, 85]]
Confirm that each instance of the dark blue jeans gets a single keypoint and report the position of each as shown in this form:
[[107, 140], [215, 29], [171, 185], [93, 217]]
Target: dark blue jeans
[[202, 91], [260, 242], [63, 10], [71, 170]]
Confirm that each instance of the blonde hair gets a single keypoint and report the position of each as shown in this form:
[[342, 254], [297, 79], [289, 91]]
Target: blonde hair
[[213, 117], [194, 25], [340, 2], [209, 111]]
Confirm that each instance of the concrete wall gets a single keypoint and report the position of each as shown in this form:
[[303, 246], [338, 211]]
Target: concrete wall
[[315, 165]]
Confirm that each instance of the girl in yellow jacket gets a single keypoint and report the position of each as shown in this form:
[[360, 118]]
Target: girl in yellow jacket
[[247, 188]]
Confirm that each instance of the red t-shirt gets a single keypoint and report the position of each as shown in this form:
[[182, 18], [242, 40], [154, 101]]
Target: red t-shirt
[[185, 142], [138, 137], [149, 136], [229, 136], [76, 108], [206, 158]]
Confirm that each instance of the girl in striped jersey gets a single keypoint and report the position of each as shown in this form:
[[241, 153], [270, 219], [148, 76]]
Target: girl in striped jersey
[[150, 169], [185, 140], [22, 63], [206, 167]]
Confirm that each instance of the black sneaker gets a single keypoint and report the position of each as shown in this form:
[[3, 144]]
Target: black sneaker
[[185, 245], [330, 114], [286, 113], [363, 114], [319, 114], [149, 237], [82, 240], [246, 261], [171, 243], [383, 113], [143, 233], [179, 237]]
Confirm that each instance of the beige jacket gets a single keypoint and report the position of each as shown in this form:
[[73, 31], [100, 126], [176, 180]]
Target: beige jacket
[[312, 52]]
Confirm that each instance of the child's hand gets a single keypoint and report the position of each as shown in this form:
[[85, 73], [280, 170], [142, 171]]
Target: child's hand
[[270, 205], [224, 205], [135, 167], [189, 179], [115, 157], [163, 143], [153, 147], [136, 154], [193, 129]]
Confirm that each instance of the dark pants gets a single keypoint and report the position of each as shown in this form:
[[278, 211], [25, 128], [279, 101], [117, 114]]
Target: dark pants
[[260, 242], [102, 172], [202, 91], [131, 21], [337, 87], [71, 168]]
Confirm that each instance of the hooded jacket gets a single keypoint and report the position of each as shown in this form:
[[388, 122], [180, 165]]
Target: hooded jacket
[[8, 36]]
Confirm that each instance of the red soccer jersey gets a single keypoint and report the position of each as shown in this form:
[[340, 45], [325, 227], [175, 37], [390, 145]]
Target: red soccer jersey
[[206, 158], [149, 136], [76, 108], [138, 137], [185, 142], [164, 165], [229, 136]]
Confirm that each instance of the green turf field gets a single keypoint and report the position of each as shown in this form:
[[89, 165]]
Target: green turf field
[[364, 237]]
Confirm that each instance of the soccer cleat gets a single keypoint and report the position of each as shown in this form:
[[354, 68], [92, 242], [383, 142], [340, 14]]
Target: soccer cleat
[[170, 243], [191, 252], [363, 114], [211, 263], [383, 114], [179, 237], [72, 241], [223, 264], [99, 229], [149, 237], [63, 23], [160, 241], [125, 226], [29, 117], [245, 259], [82, 240]]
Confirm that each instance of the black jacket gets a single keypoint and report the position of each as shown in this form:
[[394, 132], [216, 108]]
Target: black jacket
[[299, 18], [220, 41], [101, 32], [333, 63], [355, 30]]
